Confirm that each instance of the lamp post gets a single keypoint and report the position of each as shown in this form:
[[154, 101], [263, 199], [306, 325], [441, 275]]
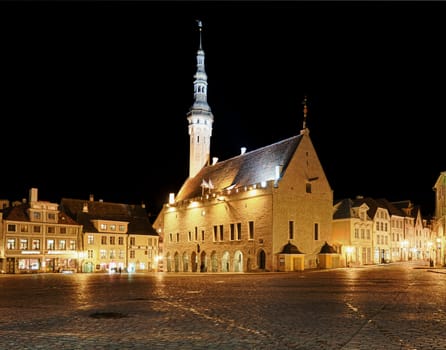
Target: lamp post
[[404, 245], [348, 251]]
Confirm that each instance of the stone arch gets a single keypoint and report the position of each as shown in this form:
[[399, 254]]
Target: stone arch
[[225, 261], [214, 261], [238, 261], [194, 262], [261, 259], [185, 262], [176, 259], [168, 262], [203, 262]]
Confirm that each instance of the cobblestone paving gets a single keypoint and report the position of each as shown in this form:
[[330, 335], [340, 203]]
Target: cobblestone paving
[[384, 307]]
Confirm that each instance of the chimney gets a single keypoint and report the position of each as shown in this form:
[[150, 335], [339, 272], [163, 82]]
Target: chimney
[[33, 195], [214, 160], [91, 198], [85, 208], [242, 150]]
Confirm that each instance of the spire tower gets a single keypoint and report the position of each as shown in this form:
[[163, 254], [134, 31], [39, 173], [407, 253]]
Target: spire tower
[[199, 117]]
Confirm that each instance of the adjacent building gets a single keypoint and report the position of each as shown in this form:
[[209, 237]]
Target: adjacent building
[[373, 231], [37, 237], [116, 237]]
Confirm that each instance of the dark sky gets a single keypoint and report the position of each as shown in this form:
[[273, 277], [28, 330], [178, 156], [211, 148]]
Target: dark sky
[[95, 94]]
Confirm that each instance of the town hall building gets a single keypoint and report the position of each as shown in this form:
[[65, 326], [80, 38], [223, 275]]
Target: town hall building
[[268, 209]]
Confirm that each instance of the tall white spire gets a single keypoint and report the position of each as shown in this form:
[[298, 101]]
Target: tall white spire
[[199, 117]]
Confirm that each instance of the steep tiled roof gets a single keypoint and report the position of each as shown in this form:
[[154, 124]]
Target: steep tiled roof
[[16, 213], [20, 213], [343, 209], [407, 207], [393, 210], [135, 215], [246, 169]]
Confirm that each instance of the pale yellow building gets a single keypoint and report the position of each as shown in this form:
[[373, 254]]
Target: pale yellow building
[[116, 237], [37, 237]]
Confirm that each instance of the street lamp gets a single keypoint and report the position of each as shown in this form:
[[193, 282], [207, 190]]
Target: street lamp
[[404, 245], [348, 252]]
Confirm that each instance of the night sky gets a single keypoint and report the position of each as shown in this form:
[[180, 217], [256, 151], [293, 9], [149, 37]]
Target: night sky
[[95, 94]]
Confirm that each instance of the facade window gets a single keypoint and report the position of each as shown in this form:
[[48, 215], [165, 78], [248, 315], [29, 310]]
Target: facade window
[[36, 229], [36, 244], [11, 243], [196, 233], [251, 230], [50, 244], [132, 241], [112, 227], [178, 237], [112, 240], [121, 228], [215, 233], [51, 217], [132, 254], [121, 254], [103, 240], [90, 239], [103, 227], [231, 231], [112, 254], [362, 233], [202, 235], [356, 232], [51, 229], [121, 240], [36, 215], [63, 230], [221, 233], [103, 254], [189, 236], [239, 231], [62, 244], [72, 244], [316, 231], [291, 230], [308, 187], [23, 243], [11, 228], [24, 228], [90, 253]]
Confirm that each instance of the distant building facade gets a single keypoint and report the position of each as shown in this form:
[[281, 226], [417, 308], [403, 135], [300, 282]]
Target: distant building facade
[[440, 217], [116, 237], [373, 231], [37, 237]]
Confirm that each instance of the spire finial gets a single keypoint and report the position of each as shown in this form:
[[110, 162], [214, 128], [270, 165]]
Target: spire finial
[[304, 102], [200, 25]]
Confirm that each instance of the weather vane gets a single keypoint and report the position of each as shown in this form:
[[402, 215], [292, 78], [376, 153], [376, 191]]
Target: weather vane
[[304, 102]]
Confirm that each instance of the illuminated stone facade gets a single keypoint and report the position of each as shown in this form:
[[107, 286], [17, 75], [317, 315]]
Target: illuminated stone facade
[[257, 203]]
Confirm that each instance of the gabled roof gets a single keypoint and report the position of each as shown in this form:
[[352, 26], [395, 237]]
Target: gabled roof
[[20, 213], [243, 170], [135, 215], [343, 209], [407, 208]]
